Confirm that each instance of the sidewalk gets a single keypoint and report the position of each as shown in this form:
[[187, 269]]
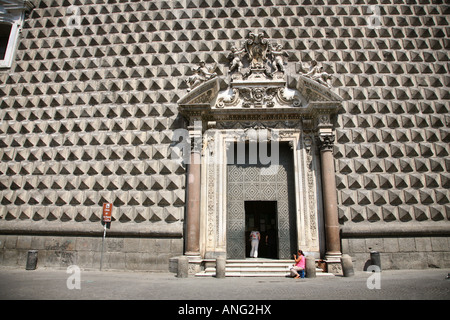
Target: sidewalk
[[49, 284]]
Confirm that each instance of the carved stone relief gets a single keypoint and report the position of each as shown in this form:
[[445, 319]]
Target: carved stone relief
[[202, 73], [291, 108], [315, 72]]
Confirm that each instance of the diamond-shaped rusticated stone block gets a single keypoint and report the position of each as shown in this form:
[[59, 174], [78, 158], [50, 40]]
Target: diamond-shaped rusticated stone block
[[81, 214], [357, 213], [87, 113], [168, 214], [142, 214], [421, 213], [345, 166], [361, 166], [354, 181], [392, 196], [373, 213], [348, 197], [437, 212], [341, 182], [343, 214], [389, 213]]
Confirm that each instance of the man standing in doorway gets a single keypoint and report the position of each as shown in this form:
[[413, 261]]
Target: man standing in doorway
[[255, 236]]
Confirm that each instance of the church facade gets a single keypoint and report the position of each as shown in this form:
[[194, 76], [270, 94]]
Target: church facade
[[322, 124]]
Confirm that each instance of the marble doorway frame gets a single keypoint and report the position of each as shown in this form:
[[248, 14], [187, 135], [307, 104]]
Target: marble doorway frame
[[306, 120], [213, 220]]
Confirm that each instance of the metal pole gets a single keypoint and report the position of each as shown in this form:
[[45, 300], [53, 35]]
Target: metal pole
[[103, 242]]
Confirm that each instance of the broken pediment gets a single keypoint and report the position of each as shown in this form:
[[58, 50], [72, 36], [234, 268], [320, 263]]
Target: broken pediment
[[259, 86], [204, 94], [297, 92], [311, 90]]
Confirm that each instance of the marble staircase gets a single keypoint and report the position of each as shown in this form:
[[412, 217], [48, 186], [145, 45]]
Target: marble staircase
[[256, 267]]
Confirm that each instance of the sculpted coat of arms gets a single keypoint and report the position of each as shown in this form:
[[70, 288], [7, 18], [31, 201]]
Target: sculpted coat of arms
[[257, 59], [257, 71]]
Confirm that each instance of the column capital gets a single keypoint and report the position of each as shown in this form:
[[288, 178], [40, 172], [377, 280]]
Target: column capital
[[326, 141], [196, 144], [195, 129]]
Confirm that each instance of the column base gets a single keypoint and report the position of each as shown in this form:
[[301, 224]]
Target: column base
[[334, 265], [195, 262]]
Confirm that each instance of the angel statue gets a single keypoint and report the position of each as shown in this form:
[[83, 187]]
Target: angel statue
[[235, 57], [278, 54], [316, 73], [201, 74], [321, 77]]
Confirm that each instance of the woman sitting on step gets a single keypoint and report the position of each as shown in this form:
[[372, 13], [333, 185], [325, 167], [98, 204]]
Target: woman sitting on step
[[299, 265]]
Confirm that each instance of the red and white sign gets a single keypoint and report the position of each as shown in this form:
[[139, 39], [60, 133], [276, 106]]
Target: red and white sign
[[107, 211]]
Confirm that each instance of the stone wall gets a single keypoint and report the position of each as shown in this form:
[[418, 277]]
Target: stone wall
[[120, 253], [88, 108], [400, 252], [87, 116]]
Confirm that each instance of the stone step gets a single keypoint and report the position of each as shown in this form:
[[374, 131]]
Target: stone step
[[256, 268]]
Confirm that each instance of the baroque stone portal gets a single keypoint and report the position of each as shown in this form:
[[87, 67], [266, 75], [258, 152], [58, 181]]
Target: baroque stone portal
[[265, 105]]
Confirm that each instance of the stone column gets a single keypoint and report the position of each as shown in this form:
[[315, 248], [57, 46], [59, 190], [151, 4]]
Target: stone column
[[333, 246], [193, 198]]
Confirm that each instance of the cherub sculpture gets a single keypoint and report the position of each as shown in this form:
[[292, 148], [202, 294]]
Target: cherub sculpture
[[278, 54], [235, 56], [316, 73], [201, 74]]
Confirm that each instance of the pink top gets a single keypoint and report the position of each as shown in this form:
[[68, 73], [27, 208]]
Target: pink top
[[301, 263]]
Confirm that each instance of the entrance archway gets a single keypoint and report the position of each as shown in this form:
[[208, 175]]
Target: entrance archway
[[262, 216], [250, 184]]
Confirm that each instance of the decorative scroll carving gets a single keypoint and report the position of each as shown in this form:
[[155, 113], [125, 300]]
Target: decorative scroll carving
[[292, 124], [324, 120], [258, 97], [283, 98], [211, 203], [308, 143]]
